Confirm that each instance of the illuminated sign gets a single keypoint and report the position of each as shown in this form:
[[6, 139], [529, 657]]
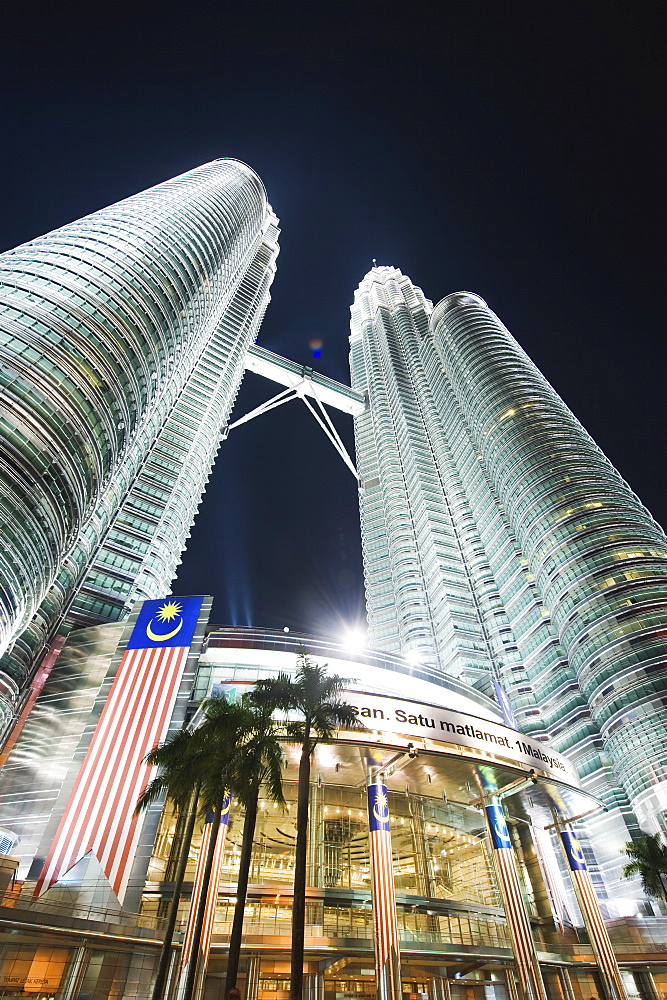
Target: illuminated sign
[[389, 715]]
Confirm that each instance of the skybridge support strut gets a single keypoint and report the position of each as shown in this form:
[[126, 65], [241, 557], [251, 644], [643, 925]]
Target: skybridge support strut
[[305, 384]]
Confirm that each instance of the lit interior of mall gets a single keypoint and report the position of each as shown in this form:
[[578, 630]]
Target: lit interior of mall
[[456, 942]]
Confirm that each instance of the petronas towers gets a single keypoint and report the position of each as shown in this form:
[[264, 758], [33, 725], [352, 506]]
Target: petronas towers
[[501, 545]]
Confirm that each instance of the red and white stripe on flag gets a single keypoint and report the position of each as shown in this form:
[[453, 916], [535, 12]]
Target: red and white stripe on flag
[[99, 815], [212, 898], [597, 930], [384, 899], [515, 912]]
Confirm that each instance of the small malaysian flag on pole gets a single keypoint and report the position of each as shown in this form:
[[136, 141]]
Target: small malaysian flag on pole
[[523, 945], [211, 901], [385, 923], [99, 815], [593, 919]]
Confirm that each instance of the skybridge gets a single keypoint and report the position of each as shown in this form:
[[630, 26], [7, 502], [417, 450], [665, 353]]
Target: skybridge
[[303, 383]]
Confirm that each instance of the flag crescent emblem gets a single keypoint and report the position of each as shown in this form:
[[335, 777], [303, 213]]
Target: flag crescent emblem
[[502, 834], [162, 638], [379, 817]]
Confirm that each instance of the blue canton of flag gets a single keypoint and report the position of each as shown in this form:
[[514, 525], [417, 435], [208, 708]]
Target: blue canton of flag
[[500, 835], [167, 622], [374, 757], [378, 808], [575, 855], [224, 812]]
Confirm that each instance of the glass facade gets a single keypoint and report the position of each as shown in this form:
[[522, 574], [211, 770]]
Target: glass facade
[[123, 338], [455, 937], [501, 546]]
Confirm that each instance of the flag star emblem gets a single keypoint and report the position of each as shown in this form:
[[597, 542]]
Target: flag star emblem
[[169, 611]]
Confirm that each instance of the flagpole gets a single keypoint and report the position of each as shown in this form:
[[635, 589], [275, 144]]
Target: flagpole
[[211, 900], [518, 922], [598, 934], [385, 923]]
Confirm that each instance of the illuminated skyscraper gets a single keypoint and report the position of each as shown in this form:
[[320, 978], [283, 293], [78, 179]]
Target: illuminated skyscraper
[[501, 546], [124, 336]]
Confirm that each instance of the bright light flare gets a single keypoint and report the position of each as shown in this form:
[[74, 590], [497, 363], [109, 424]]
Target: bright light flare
[[354, 640]]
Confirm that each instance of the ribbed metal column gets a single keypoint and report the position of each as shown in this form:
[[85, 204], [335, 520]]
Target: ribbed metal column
[[511, 983], [75, 973], [593, 919], [566, 984], [646, 985], [438, 989], [187, 956], [315, 834], [528, 967], [313, 986], [385, 924], [252, 980], [419, 845]]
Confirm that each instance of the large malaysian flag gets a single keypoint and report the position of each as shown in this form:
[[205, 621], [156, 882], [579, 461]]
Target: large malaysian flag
[[99, 814]]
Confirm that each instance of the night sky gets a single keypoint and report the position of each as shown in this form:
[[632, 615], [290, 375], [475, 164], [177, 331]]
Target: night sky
[[511, 149]]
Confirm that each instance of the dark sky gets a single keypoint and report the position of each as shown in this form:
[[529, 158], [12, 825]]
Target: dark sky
[[511, 149]]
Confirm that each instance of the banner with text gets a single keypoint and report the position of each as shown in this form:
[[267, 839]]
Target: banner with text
[[410, 719]]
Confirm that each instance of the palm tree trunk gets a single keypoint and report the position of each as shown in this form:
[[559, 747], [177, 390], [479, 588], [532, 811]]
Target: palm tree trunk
[[249, 824], [201, 909], [299, 907], [165, 951], [663, 884]]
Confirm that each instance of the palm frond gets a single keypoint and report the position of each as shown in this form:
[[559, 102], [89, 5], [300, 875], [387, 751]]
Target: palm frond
[[648, 861], [176, 775], [154, 791]]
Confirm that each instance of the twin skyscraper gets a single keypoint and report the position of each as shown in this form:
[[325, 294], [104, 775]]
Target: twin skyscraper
[[499, 544]]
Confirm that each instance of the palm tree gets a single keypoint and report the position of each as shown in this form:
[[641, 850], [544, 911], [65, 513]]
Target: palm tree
[[314, 696], [220, 744], [649, 861], [259, 765], [174, 779]]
